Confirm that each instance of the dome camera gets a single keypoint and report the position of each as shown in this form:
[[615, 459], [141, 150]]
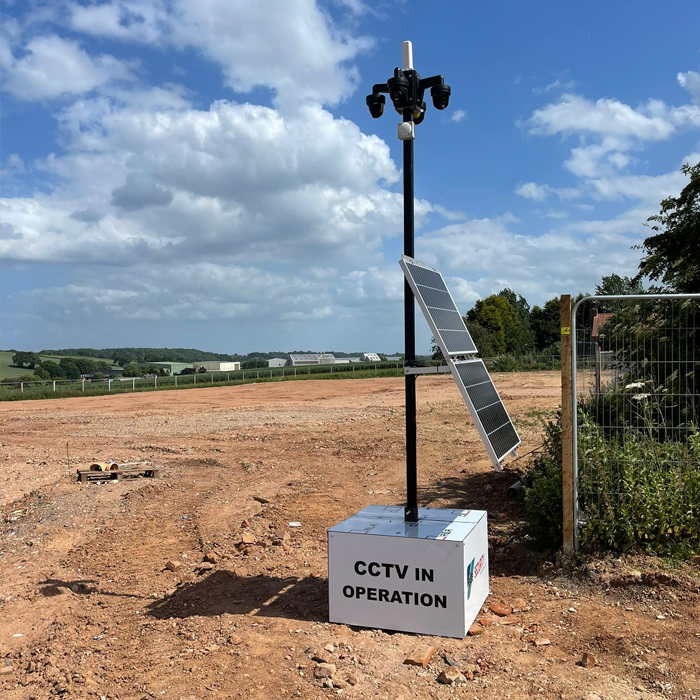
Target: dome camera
[[398, 91], [376, 105], [440, 95]]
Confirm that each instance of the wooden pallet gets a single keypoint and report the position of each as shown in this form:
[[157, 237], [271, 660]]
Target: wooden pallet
[[86, 475]]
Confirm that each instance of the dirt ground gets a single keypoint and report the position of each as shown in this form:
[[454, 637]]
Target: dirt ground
[[89, 609]]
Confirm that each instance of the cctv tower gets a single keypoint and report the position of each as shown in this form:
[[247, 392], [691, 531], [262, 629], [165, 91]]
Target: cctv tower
[[404, 568], [406, 91]]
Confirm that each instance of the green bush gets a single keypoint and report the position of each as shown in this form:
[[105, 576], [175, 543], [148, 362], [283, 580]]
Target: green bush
[[637, 492], [543, 491], [634, 492]]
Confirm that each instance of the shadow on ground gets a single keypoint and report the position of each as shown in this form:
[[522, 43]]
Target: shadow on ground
[[53, 586], [265, 596], [509, 553]]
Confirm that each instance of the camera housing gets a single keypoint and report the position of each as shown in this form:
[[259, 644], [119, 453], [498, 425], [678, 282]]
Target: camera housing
[[440, 95], [376, 105], [398, 90]]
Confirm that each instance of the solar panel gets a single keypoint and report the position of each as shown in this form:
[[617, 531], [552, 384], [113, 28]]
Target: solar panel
[[439, 308], [485, 406]]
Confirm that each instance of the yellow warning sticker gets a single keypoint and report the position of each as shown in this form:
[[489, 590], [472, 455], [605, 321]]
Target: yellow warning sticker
[[566, 330]]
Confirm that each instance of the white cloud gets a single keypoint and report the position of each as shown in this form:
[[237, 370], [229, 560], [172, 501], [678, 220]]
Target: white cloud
[[605, 117], [557, 84], [293, 47], [691, 82], [239, 181], [538, 192], [53, 66], [458, 116]]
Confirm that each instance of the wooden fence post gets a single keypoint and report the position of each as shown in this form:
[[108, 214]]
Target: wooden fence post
[[567, 426]]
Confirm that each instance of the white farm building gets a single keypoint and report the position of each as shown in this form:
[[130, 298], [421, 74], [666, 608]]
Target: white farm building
[[311, 358], [370, 357], [218, 366]]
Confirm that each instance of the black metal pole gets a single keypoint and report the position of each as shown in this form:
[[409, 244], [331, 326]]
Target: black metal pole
[[411, 509]]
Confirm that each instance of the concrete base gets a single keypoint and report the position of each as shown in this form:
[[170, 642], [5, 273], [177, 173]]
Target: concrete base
[[429, 577]]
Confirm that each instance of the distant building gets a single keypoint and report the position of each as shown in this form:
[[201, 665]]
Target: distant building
[[217, 366], [312, 358], [277, 362], [599, 321], [172, 367], [393, 358], [370, 357]]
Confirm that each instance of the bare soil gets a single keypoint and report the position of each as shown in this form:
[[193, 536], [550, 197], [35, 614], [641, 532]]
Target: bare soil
[[88, 608]]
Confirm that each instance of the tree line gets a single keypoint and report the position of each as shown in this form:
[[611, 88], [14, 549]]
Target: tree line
[[65, 368]]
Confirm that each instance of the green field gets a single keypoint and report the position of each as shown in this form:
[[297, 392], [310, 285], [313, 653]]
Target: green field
[[7, 372]]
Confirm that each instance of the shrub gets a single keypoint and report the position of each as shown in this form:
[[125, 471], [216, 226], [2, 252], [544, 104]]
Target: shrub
[[635, 492], [543, 491]]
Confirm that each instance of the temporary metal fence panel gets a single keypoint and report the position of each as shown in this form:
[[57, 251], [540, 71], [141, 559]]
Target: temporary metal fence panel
[[635, 376]]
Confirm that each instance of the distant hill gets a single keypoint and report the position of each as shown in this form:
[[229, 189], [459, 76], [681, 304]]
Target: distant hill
[[127, 355]]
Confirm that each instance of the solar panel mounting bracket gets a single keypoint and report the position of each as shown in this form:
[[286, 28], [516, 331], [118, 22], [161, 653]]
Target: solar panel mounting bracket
[[436, 369]]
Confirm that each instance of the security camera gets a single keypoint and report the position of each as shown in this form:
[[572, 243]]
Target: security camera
[[398, 90], [440, 95], [376, 105]]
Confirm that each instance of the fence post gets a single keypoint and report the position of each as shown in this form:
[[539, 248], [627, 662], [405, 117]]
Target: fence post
[[567, 426], [155, 382], [109, 382], [54, 386], [195, 377], [228, 376], [212, 377], [176, 381], [83, 383], [295, 371], [257, 374], [21, 387]]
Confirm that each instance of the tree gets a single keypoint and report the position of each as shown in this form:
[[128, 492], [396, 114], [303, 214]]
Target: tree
[[483, 338], [132, 370], [254, 364], [55, 370], [41, 372], [522, 308], [544, 322], [615, 285], [672, 254], [70, 368], [20, 359], [498, 316]]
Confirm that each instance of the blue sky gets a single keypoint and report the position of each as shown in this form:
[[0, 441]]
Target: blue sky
[[205, 173]]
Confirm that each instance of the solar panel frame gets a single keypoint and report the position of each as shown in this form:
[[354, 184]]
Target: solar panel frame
[[438, 307], [473, 379], [486, 408]]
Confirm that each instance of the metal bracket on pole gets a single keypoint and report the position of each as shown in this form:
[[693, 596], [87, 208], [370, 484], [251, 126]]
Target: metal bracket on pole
[[439, 369]]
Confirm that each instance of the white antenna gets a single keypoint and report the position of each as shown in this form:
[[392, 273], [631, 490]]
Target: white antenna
[[407, 55]]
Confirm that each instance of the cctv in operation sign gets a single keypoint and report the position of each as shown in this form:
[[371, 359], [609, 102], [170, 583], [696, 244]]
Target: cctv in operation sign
[[428, 577]]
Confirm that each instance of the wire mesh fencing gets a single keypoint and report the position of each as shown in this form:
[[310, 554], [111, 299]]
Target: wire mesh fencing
[[636, 409]]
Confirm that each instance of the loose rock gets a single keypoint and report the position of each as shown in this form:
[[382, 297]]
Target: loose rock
[[587, 660], [420, 656], [211, 557], [324, 670], [321, 656], [541, 642], [171, 565], [247, 538], [451, 675], [500, 609], [449, 660], [520, 605], [475, 630]]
